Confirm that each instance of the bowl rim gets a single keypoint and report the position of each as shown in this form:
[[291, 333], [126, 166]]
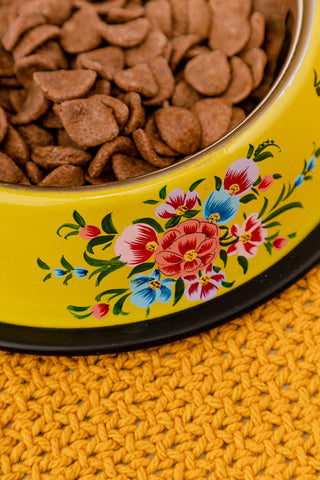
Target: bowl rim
[[297, 52]]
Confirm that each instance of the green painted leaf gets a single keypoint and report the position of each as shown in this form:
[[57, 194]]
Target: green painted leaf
[[263, 156], [276, 176], [268, 247], [173, 222], [150, 221], [74, 308], [67, 225], [292, 235], [70, 234], [308, 177], [250, 151], [101, 276], [80, 220], [279, 198], [317, 153], [141, 268], [227, 284], [98, 241], [195, 184], [216, 269], [118, 307], [264, 208], [42, 264], [81, 317], [107, 245], [283, 209], [272, 224], [47, 277], [66, 264], [273, 237], [151, 202], [179, 290], [67, 278], [147, 312], [218, 183], [199, 201], [255, 191], [163, 192], [94, 262], [256, 183], [113, 291], [248, 198], [243, 262], [191, 213], [224, 257], [107, 224]]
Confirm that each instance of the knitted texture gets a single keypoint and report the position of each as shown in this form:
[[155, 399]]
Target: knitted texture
[[239, 402]]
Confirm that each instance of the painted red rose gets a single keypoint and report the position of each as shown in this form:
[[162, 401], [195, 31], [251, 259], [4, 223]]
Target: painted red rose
[[100, 310], [89, 231], [265, 183], [188, 248], [279, 243]]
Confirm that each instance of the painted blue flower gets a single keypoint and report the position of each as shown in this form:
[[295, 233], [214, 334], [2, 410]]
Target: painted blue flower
[[59, 273], [312, 163], [299, 180], [220, 206], [80, 272], [150, 289]]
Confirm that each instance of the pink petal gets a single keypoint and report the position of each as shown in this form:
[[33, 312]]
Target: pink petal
[[210, 229], [192, 266], [189, 226], [168, 238], [207, 259], [165, 211], [258, 235], [190, 279], [236, 231], [233, 249], [243, 172], [176, 198], [191, 200], [131, 245], [167, 257], [251, 221], [208, 292], [189, 242], [250, 250], [171, 270], [193, 292], [208, 246]]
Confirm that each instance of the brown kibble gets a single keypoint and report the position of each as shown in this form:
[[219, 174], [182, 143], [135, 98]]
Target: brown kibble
[[101, 87], [5, 99], [197, 50], [87, 121], [238, 116], [50, 157], [199, 17], [184, 95], [125, 167], [62, 85], [229, 33], [180, 45], [3, 124], [102, 8], [104, 178], [81, 32], [6, 63], [34, 38], [119, 108], [63, 140], [17, 97], [130, 11], [272, 10], [223, 7], [257, 23], [15, 147], [125, 35], [34, 173], [19, 26], [11, 82], [154, 138], [25, 67], [147, 151], [64, 176], [179, 17], [179, 128], [35, 136], [159, 14], [55, 11], [137, 79], [257, 61], [214, 115], [209, 73], [9, 171], [51, 120], [137, 114], [101, 161], [105, 61], [241, 81], [164, 78], [52, 51], [35, 105], [154, 45]]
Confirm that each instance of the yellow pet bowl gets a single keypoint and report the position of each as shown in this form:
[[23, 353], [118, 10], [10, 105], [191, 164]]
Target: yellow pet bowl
[[131, 264]]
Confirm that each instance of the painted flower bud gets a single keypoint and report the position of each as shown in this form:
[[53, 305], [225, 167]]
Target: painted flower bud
[[80, 272], [59, 273], [100, 310], [265, 183], [89, 231], [299, 180], [312, 163], [280, 242]]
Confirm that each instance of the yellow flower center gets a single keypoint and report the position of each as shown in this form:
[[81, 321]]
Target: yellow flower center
[[245, 237], [214, 217], [181, 210], [155, 284], [190, 255], [204, 280], [152, 246], [234, 189]]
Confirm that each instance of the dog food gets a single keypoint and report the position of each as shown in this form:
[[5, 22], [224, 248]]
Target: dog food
[[97, 91]]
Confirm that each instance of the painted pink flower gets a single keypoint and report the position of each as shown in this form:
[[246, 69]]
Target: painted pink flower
[[265, 183], [250, 236], [188, 248], [177, 203], [89, 231], [100, 310], [136, 244], [279, 243], [240, 176], [204, 287]]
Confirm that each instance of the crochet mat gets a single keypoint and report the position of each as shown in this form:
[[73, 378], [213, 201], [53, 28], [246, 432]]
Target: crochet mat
[[239, 402]]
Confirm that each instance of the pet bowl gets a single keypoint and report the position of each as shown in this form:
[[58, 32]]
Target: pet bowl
[[159, 257]]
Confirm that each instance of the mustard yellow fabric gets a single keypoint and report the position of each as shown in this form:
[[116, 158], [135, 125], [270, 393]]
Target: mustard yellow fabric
[[240, 402]]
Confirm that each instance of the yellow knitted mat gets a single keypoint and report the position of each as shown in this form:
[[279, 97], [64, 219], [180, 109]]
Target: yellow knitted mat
[[239, 402]]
